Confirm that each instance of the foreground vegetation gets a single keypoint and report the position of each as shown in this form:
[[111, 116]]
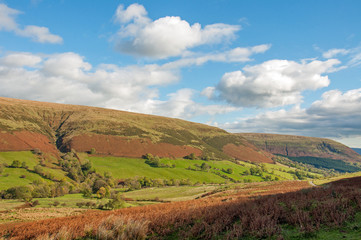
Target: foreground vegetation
[[312, 213]]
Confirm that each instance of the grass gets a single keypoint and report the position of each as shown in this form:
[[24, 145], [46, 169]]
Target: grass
[[68, 200], [351, 230], [9, 204], [131, 167], [180, 193], [11, 178], [28, 157], [331, 179], [123, 168]]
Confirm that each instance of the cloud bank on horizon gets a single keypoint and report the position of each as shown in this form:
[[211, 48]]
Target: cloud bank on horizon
[[255, 91]]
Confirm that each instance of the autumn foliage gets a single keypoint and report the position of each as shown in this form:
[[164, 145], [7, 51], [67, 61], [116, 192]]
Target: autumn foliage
[[228, 215]]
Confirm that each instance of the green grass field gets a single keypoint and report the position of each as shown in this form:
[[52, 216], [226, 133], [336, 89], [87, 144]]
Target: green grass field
[[131, 167], [11, 177], [28, 157], [173, 193]]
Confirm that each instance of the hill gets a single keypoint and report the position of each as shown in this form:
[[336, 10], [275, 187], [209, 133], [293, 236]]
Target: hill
[[358, 150], [319, 152], [27, 125]]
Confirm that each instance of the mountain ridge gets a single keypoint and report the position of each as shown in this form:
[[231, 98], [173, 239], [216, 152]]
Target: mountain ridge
[[300, 146]]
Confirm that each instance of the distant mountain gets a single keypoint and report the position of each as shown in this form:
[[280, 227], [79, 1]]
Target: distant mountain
[[358, 150], [50, 127], [319, 152]]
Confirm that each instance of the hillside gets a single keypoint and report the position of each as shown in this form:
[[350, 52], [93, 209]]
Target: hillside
[[27, 125], [319, 152], [358, 150]]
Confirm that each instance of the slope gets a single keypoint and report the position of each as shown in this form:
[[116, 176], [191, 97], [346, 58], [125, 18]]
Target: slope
[[319, 152], [26, 125]]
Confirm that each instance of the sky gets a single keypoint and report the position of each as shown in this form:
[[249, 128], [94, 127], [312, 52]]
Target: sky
[[286, 67]]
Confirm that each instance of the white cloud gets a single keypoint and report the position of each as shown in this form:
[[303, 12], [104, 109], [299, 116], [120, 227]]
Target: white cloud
[[69, 65], [234, 55], [36, 33], [134, 12], [334, 52], [165, 37], [21, 59], [353, 55], [7, 18], [67, 78], [39, 34], [272, 83], [336, 115], [181, 105], [334, 101]]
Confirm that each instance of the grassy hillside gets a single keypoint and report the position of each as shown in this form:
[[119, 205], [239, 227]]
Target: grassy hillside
[[182, 171], [122, 168], [25, 125], [299, 146]]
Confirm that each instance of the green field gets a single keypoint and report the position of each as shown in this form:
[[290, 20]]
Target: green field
[[123, 168], [11, 177], [173, 193], [28, 157]]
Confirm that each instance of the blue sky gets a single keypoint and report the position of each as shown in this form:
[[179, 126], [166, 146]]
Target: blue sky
[[288, 67]]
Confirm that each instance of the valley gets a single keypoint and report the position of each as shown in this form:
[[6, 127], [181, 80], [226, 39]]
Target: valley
[[68, 166]]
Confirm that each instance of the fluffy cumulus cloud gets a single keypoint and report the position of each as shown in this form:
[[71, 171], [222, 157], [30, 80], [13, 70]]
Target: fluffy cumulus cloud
[[336, 115], [181, 104], [36, 33], [272, 83], [165, 37], [68, 78]]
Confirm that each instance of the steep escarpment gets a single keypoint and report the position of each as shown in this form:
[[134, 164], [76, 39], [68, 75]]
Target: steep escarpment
[[111, 132], [299, 146]]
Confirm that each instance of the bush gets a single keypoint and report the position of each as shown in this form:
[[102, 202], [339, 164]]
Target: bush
[[93, 151], [118, 228], [15, 164], [21, 192]]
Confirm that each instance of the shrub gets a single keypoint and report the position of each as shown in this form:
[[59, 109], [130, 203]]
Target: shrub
[[35, 203], [93, 151], [15, 164], [119, 228], [62, 234]]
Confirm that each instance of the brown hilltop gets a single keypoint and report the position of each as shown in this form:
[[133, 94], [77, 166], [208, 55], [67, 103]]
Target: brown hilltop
[[26, 125], [300, 146]]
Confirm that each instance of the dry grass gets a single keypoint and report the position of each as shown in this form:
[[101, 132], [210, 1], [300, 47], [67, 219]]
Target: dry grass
[[33, 214], [164, 218]]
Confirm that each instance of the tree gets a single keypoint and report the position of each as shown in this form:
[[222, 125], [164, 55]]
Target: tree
[[101, 192], [99, 183], [23, 165], [16, 164], [148, 156], [21, 192], [191, 156], [205, 167]]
